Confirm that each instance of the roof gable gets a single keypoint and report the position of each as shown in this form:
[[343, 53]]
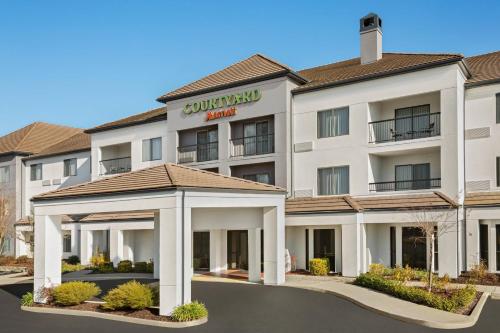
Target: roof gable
[[484, 68], [255, 68]]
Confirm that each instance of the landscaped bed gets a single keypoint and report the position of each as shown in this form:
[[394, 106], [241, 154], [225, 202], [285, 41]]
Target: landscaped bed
[[440, 296], [131, 299]]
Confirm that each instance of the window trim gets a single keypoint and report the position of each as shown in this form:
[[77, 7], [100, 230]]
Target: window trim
[[69, 169], [332, 167], [333, 110], [497, 107], [497, 175]]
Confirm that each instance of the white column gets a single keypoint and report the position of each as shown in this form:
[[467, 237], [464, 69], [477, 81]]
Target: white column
[[156, 246], [492, 241], [472, 249], [399, 245], [447, 245], [116, 246], [218, 250], [274, 245], [311, 244], [85, 246], [254, 254], [175, 260], [20, 244], [338, 249], [350, 249], [48, 254]]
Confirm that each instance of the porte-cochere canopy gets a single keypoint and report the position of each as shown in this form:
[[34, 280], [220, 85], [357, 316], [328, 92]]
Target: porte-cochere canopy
[[183, 200]]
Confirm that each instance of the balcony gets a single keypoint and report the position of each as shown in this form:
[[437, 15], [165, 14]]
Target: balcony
[[114, 166], [405, 128], [198, 153], [405, 185], [252, 145]]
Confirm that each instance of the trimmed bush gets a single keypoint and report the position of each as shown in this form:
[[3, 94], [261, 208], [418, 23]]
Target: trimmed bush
[[149, 267], [140, 267], [106, 267], [27, 299], [460, 298], [125, 266], [74, 292], [319, 266], [377, 269], [190, 311], [66, 267], [403, 274], [73, 260], [97, 260], [131, 295]]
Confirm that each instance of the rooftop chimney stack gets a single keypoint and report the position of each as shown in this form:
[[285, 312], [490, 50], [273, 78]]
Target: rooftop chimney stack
[[370, 31]]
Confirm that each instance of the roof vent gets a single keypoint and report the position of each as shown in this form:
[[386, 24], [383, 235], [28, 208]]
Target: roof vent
[[370, 29]]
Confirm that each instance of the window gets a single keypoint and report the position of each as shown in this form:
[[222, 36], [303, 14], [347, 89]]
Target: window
[[36, 171], [333, 180], [207, 148], [257, 138], [498, 171], [4, 174], [393, 246], [333, 122], [151, 149], [6, 245], [484, 244], [70, 167], [67, 241], [259, 177], [413, 176], [436, 250], [498, 107]]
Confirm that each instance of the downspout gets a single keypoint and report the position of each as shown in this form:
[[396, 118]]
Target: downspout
[[465, 191], [291, 147], [182, 244]]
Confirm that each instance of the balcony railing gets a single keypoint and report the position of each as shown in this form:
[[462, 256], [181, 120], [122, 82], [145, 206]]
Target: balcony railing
[[405, 128], [405, 185], [114, 166], [252, 145], [198, 153]]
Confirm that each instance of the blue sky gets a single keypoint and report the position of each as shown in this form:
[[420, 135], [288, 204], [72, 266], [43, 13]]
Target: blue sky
[[88, 62]]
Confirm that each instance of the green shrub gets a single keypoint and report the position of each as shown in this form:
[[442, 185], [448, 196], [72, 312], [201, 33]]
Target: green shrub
[[66, 267], [378, 269], [459, 298], [319, 266], [75, 292], [98, 260], [190, 311], [403, 274], [156, 295], [73, 260], [125, 266], [27, 299], [149, 267], [106, 267], [131, 295], [140, 267]]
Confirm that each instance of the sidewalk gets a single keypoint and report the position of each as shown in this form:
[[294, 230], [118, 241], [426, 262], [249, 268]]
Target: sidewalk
[[14, 278], [385, 304]]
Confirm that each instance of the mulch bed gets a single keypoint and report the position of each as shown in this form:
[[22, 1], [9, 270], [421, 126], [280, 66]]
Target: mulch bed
[[151, 314], [489, 280]]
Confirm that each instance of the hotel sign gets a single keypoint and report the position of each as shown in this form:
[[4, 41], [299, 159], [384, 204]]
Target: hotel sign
[[229, 101]]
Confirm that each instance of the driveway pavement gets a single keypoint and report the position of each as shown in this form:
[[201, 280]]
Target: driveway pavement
[[237, 308]]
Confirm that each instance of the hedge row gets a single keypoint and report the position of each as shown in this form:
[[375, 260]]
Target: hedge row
[[459, 298]]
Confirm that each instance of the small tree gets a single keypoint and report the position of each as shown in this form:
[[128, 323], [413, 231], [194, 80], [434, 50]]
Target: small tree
[[5, 221], [433, 224]]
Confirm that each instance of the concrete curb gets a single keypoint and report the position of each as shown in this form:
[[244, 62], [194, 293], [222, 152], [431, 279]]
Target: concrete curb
[[468, 321], [109, 316]]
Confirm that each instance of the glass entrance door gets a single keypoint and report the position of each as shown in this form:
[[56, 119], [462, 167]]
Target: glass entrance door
[[414, 248], [237, 249], [201, 251], [324, 245]]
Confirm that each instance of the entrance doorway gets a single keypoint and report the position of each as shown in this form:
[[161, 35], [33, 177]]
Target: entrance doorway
[[237, 249], [414, 248], [324, 245], [201, 251]]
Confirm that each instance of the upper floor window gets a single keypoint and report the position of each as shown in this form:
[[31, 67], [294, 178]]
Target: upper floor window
[[333, 122], [70, 167], [36, 171], [4, 174], [498, 107], [151, 149], [259, 177], [333, 180]]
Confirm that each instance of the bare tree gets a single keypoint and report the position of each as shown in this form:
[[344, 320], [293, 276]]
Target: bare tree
[[433, 224], [5, 221]]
